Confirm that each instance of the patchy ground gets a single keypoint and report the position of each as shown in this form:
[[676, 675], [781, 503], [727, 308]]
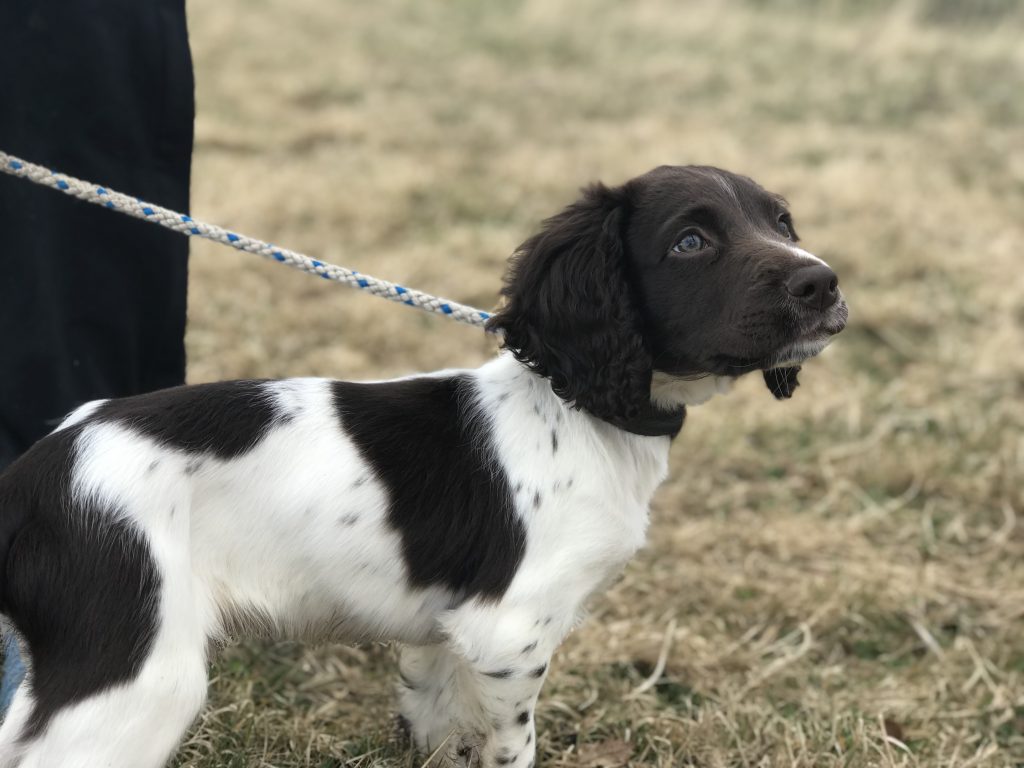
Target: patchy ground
[[833, 581]]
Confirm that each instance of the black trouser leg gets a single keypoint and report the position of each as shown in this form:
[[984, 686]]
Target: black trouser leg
[[92, 303]]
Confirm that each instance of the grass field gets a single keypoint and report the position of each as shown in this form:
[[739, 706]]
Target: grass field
[[833, 581]]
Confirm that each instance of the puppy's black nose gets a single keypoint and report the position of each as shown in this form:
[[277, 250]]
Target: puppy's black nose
[[815, 285]]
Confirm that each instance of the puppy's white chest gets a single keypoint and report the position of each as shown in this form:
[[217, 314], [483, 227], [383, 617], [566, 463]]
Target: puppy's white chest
[[587, 515]]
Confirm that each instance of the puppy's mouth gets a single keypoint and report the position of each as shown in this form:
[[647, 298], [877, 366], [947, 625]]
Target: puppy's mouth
[[812, 341], [804, 342]]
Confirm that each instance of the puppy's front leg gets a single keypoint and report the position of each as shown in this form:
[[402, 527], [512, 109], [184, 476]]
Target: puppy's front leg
[[472, 714], [505, 652], [509, 697]]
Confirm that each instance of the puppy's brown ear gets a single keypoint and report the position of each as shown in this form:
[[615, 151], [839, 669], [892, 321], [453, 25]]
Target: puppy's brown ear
[[569, 312], [782, 381]]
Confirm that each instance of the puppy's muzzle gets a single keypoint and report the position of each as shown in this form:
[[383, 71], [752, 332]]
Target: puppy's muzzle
[[815, 286]]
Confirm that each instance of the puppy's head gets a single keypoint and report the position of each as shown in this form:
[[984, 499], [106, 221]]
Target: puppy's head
[[690, 272]]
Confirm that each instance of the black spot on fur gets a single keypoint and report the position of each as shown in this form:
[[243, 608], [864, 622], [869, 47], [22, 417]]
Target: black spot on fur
[[193, 466], [360, 481], [554, 442], [529, 738], [506, 760], [536, 499], [539, 671], [226, 418], [524, 717], [531, 647], [348, 520], [153, 465], [80, 584], [548, 620], [501, 674], [449, 500], [503, 397]]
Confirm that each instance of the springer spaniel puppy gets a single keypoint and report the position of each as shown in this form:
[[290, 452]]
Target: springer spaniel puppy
[[467, 514]]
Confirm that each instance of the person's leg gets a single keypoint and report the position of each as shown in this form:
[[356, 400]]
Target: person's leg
[[13, 666], [14, 671], [92, 303]]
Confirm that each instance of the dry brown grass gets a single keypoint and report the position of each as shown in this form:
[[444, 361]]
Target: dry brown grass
[[833, 581]]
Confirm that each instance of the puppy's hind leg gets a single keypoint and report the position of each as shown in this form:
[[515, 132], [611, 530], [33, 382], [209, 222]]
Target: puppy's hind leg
[[116, 650], [137, 725]]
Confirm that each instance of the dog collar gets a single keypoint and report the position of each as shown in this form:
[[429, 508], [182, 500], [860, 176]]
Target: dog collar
[[654, 422]]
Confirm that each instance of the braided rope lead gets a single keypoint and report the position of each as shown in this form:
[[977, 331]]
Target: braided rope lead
[[190, 227]]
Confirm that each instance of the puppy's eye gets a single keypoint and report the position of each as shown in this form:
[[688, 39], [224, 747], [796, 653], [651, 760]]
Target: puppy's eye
[[690, 243], [784, 229]]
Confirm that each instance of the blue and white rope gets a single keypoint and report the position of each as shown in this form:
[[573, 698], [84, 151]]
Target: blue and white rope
[[185, 225]]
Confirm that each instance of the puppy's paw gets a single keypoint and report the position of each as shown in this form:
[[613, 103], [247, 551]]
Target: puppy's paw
[[468, 752], [465, 751]]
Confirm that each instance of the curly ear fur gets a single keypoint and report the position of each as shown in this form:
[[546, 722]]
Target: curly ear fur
[[569, 311]]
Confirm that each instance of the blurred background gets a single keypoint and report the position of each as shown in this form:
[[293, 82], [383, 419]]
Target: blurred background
[[837, 580]]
